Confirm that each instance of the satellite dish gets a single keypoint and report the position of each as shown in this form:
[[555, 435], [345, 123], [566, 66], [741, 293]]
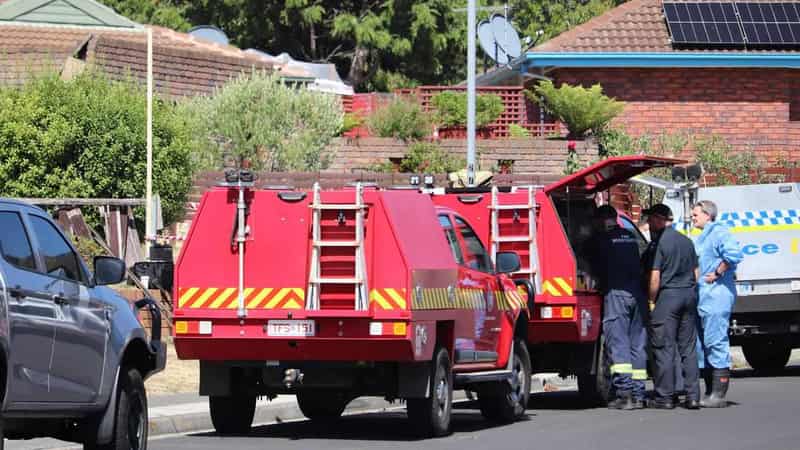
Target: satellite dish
[[489, 44], [209, 33], [506, 36]]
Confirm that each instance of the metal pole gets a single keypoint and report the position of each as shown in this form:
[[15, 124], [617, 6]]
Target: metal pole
[[149, 222], [240, 239], [471, 30]]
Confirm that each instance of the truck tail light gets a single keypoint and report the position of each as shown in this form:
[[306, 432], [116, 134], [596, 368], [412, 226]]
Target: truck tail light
[[557, 312], [193, 327], [387, 328]]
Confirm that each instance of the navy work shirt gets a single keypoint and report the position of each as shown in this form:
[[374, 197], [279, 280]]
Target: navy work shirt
[[614, 256], [676, 259]]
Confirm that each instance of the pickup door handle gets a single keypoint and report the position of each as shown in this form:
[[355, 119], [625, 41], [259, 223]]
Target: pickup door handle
[[59, 299]]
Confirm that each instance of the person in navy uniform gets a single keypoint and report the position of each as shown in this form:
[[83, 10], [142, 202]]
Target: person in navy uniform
[[614, 257]]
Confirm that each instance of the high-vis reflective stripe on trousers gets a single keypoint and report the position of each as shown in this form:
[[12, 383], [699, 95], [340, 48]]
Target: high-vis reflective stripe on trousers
[[639, 374], [624, 368]]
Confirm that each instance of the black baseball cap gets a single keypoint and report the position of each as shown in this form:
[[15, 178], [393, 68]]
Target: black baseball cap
[[659, 209]]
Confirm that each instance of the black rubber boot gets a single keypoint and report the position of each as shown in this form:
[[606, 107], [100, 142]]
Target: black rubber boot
[[624, 401], [719, 389], [706, 373]]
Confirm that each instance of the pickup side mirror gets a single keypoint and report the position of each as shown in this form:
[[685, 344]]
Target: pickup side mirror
[[108, 270], [507, 262]]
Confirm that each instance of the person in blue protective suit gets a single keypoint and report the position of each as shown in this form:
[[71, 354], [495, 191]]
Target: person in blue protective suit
[[718, 254], [614, 258]]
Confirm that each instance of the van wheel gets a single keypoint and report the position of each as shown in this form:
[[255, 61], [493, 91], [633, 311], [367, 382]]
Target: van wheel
[[431, 416], [131, 423], [767, 356], [593, 388], [232, 414], [322, 405], [506, 401]]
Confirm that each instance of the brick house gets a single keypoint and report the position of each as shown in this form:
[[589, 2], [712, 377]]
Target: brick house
[[747, 94], [67, 35]]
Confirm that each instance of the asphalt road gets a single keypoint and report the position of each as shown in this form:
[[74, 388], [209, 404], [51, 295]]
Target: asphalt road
[[763, 416]]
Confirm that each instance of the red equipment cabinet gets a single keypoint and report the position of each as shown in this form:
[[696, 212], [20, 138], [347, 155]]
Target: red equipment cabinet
[[564, 331], [338, 294]]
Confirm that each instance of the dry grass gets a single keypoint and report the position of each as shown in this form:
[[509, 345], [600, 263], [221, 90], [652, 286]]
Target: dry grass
[[178, 376]]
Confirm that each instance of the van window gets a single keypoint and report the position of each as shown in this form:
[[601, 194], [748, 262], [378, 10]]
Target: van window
[[59, 259], [452, 240], [14, 243], [476, 258]]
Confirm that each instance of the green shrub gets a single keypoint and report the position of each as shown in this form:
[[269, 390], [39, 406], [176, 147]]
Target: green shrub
[[451, 109], [518, 131], [350, 121], [730, 166], [581, 110], [400, 119], [430, 158], [278, 126], [86, 138]]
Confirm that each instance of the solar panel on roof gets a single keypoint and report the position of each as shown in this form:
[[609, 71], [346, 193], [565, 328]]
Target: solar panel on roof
[[734, 23]]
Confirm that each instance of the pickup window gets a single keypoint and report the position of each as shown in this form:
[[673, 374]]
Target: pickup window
[[477, 257], [14, 243], [452, 240], [59, 259]]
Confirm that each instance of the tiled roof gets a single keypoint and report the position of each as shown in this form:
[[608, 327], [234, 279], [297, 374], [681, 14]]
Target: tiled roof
[[182, 64], [634, 26]]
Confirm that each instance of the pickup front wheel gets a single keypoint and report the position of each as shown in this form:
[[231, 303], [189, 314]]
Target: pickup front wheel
[[505, 402], [232, 414], [130, 426]]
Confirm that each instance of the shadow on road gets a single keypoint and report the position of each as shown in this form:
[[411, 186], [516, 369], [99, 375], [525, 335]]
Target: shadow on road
[[386, 427]]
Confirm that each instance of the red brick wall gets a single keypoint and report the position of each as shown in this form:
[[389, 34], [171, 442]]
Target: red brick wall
[[756, 109]]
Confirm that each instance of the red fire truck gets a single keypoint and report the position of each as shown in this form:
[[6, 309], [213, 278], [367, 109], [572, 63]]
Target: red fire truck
[[548, 226], [332, 295], [366, 292]]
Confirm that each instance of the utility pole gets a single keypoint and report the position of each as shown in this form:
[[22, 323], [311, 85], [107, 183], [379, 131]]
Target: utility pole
[[471, 31], [149, 227]]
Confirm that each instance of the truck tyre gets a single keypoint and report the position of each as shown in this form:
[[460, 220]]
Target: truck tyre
[[232, 414], [431, 416], [2, 434], [506, 401], [322, 406], [130, 418], [593, 388], [767, 356]]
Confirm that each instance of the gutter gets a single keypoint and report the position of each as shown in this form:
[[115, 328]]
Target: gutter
[[658, 60]]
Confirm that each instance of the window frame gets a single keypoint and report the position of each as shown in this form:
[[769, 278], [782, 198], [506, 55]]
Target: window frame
[[37, 269], [82, 272]]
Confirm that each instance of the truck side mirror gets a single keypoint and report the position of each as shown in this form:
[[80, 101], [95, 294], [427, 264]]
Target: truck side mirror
[[507, 262], [108, 270]]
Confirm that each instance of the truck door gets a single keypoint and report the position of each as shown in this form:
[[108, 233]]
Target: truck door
[[477, 274], [31, 314], [81, 326]]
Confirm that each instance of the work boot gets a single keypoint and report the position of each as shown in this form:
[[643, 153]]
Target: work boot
[[719, 389], [624, 402], [661, 403], [639, 403], [691, 404], [707, 378]]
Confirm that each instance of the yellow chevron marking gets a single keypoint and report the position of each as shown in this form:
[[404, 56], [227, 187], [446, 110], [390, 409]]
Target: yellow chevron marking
[[208, 293], [222, 297], [277, 298], [398, 298], [565, 287], [378, 298], [259, 297], [548, 288], [292, 304], [187, 296]]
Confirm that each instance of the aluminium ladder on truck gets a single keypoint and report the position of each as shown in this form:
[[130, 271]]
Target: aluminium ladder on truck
[[316, 280], [532, 271]]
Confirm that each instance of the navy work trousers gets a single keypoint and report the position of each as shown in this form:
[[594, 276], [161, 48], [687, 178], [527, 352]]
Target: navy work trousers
[[625, 342], [673, 327]]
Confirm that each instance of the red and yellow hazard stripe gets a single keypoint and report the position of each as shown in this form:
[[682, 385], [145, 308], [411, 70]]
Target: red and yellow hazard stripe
[[228, 298], [388, 299], [557, 287]]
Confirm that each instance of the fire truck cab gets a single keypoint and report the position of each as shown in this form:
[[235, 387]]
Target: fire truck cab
[[331, 295], [548, 227]]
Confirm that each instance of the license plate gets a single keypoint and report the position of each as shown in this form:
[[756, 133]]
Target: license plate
[[291, 328], [744, 288]]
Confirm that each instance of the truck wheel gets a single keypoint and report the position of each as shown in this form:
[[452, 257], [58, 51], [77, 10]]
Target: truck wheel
[[767, 356], [594, 388], [506, 401], [431, 416], [2, 434], [131, 423], [232, 414], [322, 405]]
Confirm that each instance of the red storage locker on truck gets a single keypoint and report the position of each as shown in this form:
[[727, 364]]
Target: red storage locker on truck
[[332, 295]]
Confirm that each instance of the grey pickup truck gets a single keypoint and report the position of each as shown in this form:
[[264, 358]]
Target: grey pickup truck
[[73, 355]]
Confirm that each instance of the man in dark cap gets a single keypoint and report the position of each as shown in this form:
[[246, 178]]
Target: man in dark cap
[[614, 256], [672, 266]]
